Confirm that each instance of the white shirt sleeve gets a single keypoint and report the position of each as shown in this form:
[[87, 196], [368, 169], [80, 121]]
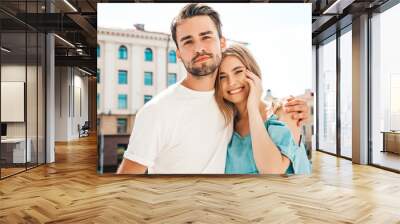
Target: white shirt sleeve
[[144, 143]]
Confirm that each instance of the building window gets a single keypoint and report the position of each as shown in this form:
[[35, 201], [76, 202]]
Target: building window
[[98, 50], [147, 98], [98, 76], [123, 53], [148, 54], [172, 57], [327, 98], [122, 101], [171, 79], [345, 83], [121, 148], [122, 77], [98, 100], [148, 78], [121, 125]]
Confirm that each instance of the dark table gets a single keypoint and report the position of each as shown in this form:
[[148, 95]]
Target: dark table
[[391, 141]]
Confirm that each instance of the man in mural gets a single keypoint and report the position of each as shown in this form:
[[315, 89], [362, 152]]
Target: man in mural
[[182, 130]]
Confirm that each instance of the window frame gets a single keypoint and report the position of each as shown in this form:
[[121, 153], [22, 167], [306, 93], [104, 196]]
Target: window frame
[[173, 61], [144, 78], [148, 55], [122, 72], [122, 52], [168, 75], [126, 101]]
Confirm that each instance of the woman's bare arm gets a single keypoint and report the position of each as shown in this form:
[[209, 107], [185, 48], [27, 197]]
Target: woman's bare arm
[[267, 156]]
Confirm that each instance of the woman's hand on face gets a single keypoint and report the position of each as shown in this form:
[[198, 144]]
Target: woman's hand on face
[[253, 100]]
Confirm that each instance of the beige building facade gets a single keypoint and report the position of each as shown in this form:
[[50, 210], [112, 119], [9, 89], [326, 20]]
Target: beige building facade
[[149, 65]]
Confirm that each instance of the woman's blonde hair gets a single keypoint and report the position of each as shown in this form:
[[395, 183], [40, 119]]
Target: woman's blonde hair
[[277, 108], [243, 54]]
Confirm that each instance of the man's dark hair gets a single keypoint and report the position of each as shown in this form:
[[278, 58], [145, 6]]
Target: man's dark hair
[[192, 10]]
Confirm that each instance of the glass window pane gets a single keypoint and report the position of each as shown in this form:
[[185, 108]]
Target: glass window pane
[[327, 97], [385, 85], [172, 57], [122, 101], [148, 54], [41, 98], [123, 53], [32, 91], [121, 125], [346, 94], [148, 78], [15, 151], [98, 101], [147, 98], [171, 79], [98, 76], [121, 148], [122, 77]]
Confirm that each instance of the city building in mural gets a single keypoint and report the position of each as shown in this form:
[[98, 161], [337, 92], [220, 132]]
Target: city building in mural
[[308, 125], [133, 65]]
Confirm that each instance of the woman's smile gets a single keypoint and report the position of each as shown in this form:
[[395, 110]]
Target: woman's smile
[[236, 90]]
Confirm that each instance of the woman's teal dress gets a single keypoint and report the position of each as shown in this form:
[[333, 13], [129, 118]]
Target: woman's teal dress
[[240, 158]]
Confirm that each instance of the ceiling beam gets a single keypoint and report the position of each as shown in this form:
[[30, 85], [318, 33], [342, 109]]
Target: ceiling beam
[[81, 61]]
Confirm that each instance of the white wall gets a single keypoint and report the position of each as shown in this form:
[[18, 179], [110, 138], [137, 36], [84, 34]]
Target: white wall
[[61, 103], [12, 101], [67, 115], [80, 83], [12, 73]]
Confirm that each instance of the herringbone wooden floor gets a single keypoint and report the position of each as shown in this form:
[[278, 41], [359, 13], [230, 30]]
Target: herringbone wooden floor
[[70, 191]]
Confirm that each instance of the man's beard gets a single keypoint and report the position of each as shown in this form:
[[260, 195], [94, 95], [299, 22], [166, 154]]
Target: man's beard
[[205, 69]]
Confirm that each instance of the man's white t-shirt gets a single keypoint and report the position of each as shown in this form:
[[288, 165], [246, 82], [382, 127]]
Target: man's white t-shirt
[[180, 131]]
